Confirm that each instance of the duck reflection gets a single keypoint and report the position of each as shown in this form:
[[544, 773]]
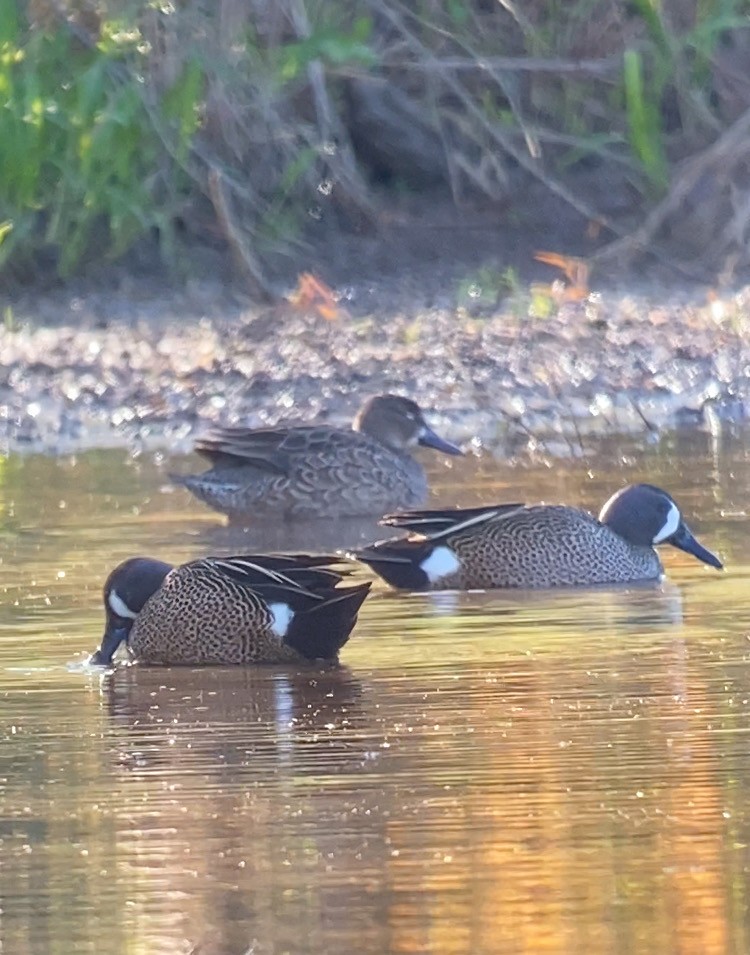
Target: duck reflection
[[238, 722], [642, 607], [631, 608], [235, 787], [634, 608], [316, 536]]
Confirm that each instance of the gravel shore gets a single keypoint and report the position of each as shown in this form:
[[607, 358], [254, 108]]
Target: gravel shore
[[152, 369]]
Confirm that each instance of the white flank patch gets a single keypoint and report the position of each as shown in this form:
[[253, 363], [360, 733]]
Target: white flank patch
[[119, 606], [441, 562], [281, 617], [670, 525]]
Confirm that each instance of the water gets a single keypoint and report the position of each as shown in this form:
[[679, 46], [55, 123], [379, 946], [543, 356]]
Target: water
[[487, 773]]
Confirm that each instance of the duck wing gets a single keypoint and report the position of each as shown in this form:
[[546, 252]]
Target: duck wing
[[451, 520], [271, 449], [310, 575]]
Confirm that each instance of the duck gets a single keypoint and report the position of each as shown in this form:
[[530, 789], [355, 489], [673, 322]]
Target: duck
[[318, 471], [253, 608], [536, 546]]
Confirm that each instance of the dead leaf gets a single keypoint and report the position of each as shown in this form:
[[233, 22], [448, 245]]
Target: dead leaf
[[576, 271], [572, 293], [312, 294]]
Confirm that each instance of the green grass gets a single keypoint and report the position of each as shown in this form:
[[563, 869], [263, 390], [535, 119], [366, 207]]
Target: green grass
[[83, 169]]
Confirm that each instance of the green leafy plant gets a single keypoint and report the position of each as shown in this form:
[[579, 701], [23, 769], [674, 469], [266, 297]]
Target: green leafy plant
[[84, 170], [644, 120], [330, 43], [486, 285]]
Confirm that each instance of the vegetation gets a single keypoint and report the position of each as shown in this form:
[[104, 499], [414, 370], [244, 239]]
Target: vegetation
[[124, 123]]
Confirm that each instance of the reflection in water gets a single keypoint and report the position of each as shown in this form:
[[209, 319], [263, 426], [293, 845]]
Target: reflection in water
[[262, 742], [264, 712], [318, 536], [631, 607], [487, 773]]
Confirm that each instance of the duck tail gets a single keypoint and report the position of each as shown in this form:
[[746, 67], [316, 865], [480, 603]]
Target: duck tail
[[193, 482], [319, 631], [180, 479], [399, 561]]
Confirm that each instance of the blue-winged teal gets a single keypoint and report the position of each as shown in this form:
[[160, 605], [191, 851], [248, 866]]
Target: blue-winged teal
[[319, 471], [228, 610], [512, 545]]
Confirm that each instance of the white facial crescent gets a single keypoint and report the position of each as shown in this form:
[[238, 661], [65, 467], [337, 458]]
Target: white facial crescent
[[670, 524]]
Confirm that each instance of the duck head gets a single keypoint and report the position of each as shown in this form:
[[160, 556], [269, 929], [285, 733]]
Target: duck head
[[126, 591], [399, 424], [645, 516]]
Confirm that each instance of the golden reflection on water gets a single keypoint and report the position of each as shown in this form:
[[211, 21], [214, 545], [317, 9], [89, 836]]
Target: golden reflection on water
[[486, 773]]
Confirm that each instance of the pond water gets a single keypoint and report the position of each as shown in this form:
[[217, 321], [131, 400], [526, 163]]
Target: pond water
[[487, 773]]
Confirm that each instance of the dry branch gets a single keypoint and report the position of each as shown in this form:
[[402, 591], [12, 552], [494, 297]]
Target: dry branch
[[243, 254], [729, 148]]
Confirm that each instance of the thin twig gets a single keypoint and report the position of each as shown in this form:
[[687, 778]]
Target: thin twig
[[342, 159], [243, 254], [606, 67]]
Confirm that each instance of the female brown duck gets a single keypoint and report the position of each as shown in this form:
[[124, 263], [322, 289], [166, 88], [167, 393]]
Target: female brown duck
[[319, 471]]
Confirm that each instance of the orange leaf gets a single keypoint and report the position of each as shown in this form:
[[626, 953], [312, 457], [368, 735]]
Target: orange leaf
[[312, 294], [576, 271], [574, 294]]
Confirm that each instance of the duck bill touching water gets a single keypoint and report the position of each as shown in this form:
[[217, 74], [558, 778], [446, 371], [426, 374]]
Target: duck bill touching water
[[513, 545], [229, 610], [318, 471]]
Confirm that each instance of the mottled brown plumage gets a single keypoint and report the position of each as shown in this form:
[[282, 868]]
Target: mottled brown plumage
[[512, 545], [319, 471], [233, 610]]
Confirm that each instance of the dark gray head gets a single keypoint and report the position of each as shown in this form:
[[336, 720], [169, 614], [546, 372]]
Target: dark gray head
[[399, 424], [126, 590], [645, 515]]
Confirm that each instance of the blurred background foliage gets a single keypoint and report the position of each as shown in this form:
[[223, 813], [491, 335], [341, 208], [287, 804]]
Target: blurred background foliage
[[141, 127]]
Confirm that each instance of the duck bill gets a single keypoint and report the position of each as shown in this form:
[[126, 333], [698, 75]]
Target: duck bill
[[684, 540], [113, 637], [429, 439]]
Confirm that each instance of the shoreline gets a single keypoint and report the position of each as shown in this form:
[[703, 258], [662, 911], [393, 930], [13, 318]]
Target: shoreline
[[122, 370]]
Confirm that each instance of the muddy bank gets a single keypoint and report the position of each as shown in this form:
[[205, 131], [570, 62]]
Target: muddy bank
[[149, 369]]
